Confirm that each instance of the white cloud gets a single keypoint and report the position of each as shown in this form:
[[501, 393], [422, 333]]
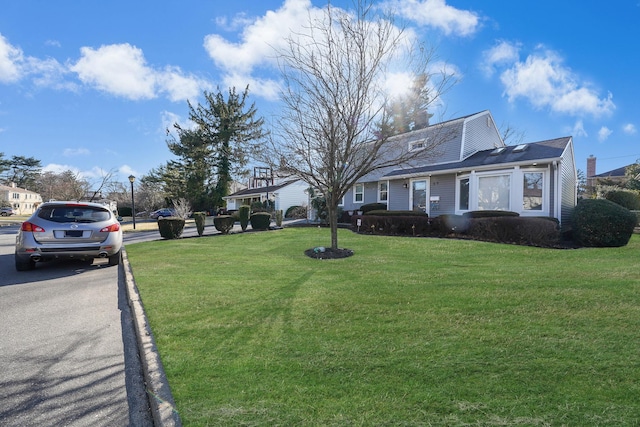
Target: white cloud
[[126, 171], [502, 53], [629, 129], [122, 70], [578, 129], [71, 152], [10, 59], [544, 81], [118, 69], [256, 47], [437, 14], [604, 133]]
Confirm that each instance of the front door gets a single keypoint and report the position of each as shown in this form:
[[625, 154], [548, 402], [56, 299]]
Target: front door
[[419, 196]]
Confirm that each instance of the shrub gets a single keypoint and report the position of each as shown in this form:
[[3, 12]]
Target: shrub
[[260, 220], [626, 199], [123, 211], [449, 223], [373, 207], [602, 223], [396, 213], [224, 223], [488, 214], [416, 225], [536, 231], [244, 212], [200, 218], [278, 218], [170, 227], [296, 212]]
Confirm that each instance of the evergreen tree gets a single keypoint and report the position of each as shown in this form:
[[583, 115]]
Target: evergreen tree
[[228, 126], [408, 111]]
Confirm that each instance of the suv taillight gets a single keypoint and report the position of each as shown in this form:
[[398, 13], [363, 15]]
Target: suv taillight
[[111, 228], [29, 226]]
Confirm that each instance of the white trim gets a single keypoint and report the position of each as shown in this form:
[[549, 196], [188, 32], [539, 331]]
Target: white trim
[[427, 181], [355, 186], [380, 200]]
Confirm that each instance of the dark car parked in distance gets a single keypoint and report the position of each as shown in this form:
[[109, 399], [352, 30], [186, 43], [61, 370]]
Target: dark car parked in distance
[[162, 213]]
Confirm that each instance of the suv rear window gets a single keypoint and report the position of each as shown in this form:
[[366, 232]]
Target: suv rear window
[[73, 213]]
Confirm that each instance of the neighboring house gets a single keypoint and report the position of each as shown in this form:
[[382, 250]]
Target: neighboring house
[[283, 195], [474, 170], [616, 176], [23, 202]]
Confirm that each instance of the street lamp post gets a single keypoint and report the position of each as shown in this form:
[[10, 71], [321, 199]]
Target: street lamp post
[[133, 203]]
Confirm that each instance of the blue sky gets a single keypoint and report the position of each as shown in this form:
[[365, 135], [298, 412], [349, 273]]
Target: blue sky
[[92, 86]]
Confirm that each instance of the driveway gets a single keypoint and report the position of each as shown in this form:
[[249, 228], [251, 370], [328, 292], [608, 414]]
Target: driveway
[[67, 345]]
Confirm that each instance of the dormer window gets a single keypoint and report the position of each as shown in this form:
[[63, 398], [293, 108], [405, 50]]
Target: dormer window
[[417, 145]]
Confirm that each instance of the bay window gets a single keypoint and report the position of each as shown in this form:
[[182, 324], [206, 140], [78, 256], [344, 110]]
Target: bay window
[[494, 192]]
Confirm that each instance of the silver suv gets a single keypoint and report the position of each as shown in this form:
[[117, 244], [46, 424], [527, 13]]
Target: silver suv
[[68, 230], [6, 212]]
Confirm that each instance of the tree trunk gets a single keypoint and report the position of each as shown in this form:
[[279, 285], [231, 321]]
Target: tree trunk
[[333, 225]]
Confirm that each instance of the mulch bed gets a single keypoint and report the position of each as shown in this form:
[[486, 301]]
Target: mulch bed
[[328, 253]]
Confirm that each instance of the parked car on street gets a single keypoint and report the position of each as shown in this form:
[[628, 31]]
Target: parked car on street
[[63, 230], [7, 212], [162, 213]]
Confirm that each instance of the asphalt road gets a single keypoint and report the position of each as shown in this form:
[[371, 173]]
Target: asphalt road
[[68, 353]]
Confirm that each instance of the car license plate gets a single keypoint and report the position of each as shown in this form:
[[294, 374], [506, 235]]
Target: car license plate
[[73, 233]]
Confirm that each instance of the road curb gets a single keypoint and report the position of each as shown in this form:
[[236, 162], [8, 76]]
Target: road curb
[[157, 386]]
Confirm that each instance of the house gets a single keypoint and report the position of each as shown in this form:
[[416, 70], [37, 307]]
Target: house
[[23, 202], [281, 194], [473, 169], [614, 177]]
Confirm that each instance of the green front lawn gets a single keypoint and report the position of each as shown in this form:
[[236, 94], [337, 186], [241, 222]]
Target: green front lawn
[[408, 331]]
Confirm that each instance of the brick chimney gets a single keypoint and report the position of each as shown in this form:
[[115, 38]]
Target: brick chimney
[[591, 171]]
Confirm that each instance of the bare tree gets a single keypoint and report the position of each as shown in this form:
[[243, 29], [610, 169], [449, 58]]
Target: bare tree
[[66, 185], [511, 135], [331, 132]]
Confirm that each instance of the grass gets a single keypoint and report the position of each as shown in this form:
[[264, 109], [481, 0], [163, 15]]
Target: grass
[[408, 331]]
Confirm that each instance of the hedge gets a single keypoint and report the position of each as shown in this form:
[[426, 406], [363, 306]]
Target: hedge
[[200, 218], [535, 231], [396, 213], [260, 220], [224, 223], [392, 225], [489, 214], [171, 227], [602, 223], [244, 212]]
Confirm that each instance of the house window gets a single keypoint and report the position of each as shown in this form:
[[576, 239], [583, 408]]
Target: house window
[[532, 191], [358, 193], [383, 191], [494, 192], [463, 191], [341, 202], [417, 145]]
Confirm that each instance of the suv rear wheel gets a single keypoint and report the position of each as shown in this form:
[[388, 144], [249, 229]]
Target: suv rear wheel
[[24, 263], [115, 258]]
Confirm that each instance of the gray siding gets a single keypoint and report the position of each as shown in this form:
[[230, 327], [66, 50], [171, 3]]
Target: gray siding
[[480, 134], [568, 182], [443, 186], [398, 196]]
